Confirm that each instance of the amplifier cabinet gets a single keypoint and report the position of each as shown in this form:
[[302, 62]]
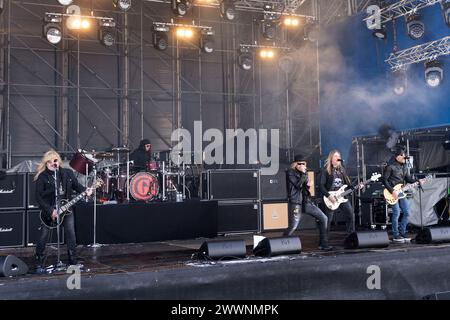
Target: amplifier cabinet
[[33, 229], [275, 216], [31, 191], [12, 229], [232, 184], [238, 217], [12, 191], [274, 187]]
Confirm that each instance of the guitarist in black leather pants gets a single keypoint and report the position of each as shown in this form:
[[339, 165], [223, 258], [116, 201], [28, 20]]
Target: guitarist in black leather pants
[[300, 201], [45, 197], [333, 177]]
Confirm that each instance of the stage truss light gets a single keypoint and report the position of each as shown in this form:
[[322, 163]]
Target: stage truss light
[[76, 22], [227, 10], [184, 33], [65, 2], [207, 41], [267, 53], [245, 59], [399, 82], [291, 21], [445, 5], [380, 33], [106, 32], [434, 73], [269, 29], [52, 28], [181, 7], [160, 37], [415, 27], [123, 5]]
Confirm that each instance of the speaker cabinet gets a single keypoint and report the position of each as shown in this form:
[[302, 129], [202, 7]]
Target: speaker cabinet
[[235, 217], [273, 187], [33, 229], [12, 191], [275, 216], [232, 184], [223, 249], [433, 235], [278, 246], [11, 266], [367, 239], [31, 192], [12, 228]]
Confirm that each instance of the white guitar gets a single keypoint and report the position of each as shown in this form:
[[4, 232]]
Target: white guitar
[[341, 193]]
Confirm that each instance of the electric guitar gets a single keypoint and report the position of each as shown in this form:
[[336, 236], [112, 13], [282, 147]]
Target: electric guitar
[[341, 193], [401, 190], [64, 207]]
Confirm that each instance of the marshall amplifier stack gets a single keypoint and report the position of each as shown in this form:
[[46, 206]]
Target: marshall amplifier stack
[[19, 213]]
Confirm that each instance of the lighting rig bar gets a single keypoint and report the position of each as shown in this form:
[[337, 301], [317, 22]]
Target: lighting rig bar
[[103, 19], [424, 52], [402, 8], [256, 46], [171, 24]]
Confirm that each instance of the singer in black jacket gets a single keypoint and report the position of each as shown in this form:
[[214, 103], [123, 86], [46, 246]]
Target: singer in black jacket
[[396, 172], [300, 201], [49, 169], [332, 178]]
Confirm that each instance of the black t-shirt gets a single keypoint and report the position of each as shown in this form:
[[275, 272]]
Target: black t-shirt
[[338, 180]]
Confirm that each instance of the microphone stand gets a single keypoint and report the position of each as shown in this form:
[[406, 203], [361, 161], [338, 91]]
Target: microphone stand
[[59, 265], [95, 244]]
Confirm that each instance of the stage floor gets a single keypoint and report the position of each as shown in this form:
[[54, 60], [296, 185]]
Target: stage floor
[[170, 270]]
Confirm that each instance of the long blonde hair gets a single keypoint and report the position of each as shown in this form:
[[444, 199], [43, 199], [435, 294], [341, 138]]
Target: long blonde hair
[[48, 156], [328, 165]]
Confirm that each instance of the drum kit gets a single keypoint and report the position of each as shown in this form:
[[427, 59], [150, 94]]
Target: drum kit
[[161, 180]]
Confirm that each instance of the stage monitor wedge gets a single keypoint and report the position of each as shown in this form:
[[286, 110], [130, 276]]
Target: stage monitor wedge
[[219, 250], [12, 266], [278, 246], [367, 239]]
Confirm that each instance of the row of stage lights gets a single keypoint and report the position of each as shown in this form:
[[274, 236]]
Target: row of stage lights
[[434, 72]]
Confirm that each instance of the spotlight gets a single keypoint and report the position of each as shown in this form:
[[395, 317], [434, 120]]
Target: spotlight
[[445, 5], [207, 41], [267, 53], [291, 22], [181, 7], [184, 33], [106, 32], [65, 2], [2, 5], [399, 82], [75, 22], [286, 63], [52, 28], [434, 73], [123, 5], [160, 38], [415, 27], [269, 29], [312, 32], [245, 59], [227, 10], [380, 33]]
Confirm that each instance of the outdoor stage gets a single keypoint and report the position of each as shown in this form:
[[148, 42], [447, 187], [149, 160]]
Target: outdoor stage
[[170, 270]]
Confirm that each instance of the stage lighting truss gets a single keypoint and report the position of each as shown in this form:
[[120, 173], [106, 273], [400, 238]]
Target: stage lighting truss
[[400, 9], [183, 32], [424, 52], [123, 5], [245, 58], [53, 26], [107, 32], [434, 73], [181, 7], [415, 27]]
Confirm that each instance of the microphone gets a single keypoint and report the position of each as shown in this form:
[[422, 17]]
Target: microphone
[[340, 160], [407, 157]]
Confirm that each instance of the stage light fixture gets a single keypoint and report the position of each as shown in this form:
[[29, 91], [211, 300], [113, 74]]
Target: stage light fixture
[[228, 10], [434, 73], [269, 29], [380, 33], [399, 82], [184, 33], [445, 5], [123, 5], [160, 37], [52, 28], [65, 2], [267, 53], [181, 7], [2, 5], [106, 32], [415, 27], [291, 22], [245, 59], [207, 41], [312, 32], [75, 22]]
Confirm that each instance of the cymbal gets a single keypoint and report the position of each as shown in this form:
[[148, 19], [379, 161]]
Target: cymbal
[[120, 149], [102, 155]]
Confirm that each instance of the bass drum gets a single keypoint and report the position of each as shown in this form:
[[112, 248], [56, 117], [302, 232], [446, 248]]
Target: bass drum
[[81, 161], [144, 186]]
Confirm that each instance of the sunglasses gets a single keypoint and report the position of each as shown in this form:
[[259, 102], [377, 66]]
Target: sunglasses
[[54, 161], [301, 163]]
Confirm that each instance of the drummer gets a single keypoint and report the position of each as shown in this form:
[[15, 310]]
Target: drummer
[[142, 155]]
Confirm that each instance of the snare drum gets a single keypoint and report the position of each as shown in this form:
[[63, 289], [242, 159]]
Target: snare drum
[[153, 166], [144, 186]]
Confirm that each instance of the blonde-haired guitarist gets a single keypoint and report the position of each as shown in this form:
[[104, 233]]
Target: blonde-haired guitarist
[[396, 172]]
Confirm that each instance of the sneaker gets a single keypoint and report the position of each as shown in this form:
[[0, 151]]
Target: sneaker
[[404, 236], [398, 239], [326, 248]]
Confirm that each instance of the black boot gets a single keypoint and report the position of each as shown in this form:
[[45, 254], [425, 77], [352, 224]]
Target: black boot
[[40, 269], [72, 257]]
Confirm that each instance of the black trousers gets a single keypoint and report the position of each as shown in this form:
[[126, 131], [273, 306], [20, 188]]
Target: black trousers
[[69, 232], [309, 208], [345, 209]]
